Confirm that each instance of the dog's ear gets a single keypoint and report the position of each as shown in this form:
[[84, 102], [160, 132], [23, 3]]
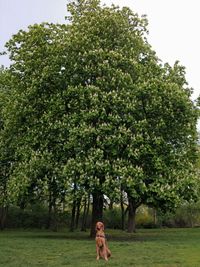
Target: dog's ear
[[102, 226], [96, 226]]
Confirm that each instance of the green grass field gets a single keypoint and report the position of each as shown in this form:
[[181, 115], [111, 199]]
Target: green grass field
[[157, 247]]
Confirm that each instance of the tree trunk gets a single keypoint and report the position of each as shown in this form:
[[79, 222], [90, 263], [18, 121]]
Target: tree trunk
[[131, 215], [97, 210], [3, 215], [72, 225], [55, 218], [73, 216], [155, 216], [87, 210], [52, 220], [85, 213], [111, 205], [50, 208], [78, 209], [83, 224], [122, 211]]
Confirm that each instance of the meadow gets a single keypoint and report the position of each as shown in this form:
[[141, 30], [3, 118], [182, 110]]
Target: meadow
[[152, 247]]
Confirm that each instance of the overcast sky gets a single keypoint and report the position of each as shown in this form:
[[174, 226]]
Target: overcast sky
[[173, 27]]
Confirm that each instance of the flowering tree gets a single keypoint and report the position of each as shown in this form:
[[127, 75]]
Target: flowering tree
[[92, 108]]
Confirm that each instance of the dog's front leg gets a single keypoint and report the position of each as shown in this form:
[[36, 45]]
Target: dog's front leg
[[97, 249], [105, 251], [105, 254]]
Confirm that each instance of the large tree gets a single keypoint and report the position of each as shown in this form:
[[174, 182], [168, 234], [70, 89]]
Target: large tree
[[106, 47], [92, 108], [131, 120]]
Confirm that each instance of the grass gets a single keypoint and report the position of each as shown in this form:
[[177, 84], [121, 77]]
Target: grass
[[155, 248]]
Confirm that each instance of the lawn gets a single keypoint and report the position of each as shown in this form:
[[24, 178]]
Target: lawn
[[155, 248]]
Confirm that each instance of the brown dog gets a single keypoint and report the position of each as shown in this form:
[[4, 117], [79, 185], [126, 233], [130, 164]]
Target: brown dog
[[101, 244]]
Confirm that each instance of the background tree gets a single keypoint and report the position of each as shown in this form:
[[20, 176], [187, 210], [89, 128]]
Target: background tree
[[5, 153], [35, 114], [165, 144]]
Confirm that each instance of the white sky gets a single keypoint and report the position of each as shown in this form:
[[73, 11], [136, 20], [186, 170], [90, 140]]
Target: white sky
[[173, 27], [173, 32]]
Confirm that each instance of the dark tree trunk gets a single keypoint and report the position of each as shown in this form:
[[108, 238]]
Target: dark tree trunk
[[122, 211], [3, 215], [111, 205], [131, 219], [88, 209], [97, 210], [85, 213], [50, 208], [83, 224], [73, 216], [78, 209], [52, 220], [55, 218], [132, 206], [72, 225]]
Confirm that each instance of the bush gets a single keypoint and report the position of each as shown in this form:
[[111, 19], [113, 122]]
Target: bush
[[112, 218], [35, 216], [18, 218], [187, 215], [145, 218]]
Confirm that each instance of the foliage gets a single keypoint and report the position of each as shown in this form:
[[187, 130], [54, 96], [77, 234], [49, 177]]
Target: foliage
[[34, 113], [186, 215], [6, 153], [34, 217], [144, 218], [131, 119]]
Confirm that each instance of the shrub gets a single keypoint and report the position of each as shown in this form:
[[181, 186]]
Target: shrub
[[187, 215], [144, 217], [112, 218]]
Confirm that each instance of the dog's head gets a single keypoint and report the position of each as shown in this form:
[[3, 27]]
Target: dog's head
[[99, 226]]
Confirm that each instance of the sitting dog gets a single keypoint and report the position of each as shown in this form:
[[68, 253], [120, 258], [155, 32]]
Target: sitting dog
[[101, 244]]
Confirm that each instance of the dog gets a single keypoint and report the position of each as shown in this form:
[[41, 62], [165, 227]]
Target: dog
[[101, 243]]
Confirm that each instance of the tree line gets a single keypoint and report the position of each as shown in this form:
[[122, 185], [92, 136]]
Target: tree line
[[88, 109]]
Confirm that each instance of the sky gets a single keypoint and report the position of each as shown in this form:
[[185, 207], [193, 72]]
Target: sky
[[173, 27]]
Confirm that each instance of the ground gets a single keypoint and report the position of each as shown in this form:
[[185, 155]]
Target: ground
[[147, 248]]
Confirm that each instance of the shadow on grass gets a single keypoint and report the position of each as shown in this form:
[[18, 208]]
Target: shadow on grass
[[79, 236]]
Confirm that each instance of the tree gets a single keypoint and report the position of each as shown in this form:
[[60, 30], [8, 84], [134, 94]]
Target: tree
[[34, 114], [93, 109], [131, 119], [6, 153], [106, 46], [166, 148]]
